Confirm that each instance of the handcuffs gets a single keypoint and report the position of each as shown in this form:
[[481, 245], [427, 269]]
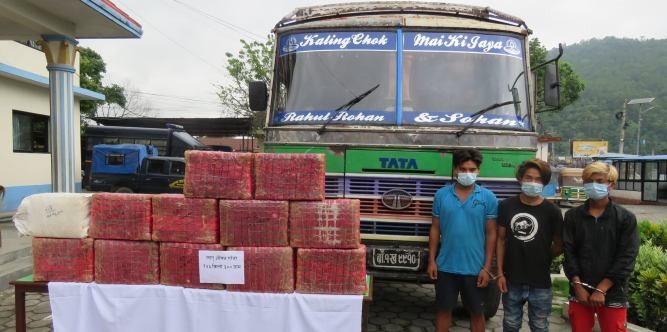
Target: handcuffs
[[493, 276], [590, 287]]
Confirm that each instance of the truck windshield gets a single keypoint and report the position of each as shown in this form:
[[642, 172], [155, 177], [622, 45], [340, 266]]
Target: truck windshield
[[320, 71], [445, 78]]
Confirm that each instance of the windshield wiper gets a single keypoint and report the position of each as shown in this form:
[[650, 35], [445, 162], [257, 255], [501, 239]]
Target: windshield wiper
[[481, 112], [347, 107]]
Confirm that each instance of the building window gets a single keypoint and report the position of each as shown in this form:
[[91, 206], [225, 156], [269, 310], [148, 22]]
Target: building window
[[31, 132]]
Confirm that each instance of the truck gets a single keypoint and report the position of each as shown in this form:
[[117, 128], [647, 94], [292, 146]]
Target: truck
[[135, 168], [171, 141], [387, 91]]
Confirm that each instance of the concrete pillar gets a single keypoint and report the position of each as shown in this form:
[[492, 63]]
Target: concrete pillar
[[60, 53]]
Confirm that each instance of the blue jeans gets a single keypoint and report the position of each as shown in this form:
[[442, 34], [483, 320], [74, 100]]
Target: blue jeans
[[539, 307]]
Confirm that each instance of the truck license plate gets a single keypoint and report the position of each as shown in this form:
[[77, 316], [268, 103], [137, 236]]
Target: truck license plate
[[396, 258]]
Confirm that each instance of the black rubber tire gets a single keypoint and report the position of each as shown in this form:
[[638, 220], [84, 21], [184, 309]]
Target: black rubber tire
[[123, 190]]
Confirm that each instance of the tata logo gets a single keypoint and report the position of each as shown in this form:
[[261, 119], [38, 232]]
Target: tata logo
[[399, 163], [397, 199]]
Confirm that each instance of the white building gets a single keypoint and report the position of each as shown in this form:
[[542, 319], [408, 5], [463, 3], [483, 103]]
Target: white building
[[25, 147]]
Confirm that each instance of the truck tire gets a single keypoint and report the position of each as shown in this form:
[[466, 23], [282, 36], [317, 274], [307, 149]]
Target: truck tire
[[123, 190], [492, 300]]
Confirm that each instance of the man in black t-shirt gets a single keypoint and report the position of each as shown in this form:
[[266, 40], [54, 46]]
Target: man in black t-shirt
[[529, 236]]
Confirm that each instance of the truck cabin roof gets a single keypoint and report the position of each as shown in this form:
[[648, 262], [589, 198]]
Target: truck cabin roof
[[383, 12]]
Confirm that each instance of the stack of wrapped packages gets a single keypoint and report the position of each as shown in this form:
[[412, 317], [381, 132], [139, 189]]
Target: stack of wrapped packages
[[269, 206]]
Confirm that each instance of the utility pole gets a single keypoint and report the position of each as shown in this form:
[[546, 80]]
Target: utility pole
[[620, 144], [639, 129], [639, 124], [624, 117]]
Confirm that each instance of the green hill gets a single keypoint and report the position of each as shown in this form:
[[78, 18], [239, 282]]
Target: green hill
[[615, 69]]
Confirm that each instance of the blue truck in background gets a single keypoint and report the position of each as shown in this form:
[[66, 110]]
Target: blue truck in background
[[135, 168]]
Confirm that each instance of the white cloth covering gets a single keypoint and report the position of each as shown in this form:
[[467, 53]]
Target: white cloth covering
[[145, 308]]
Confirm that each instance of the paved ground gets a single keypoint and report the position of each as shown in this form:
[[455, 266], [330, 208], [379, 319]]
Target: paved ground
[[654, 213], [37, 310], [397, 307], [411, 308]]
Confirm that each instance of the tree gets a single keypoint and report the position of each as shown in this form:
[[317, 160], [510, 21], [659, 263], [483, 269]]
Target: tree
[[91, 69], [615, 69], [571, 86], [133, 104], [253, 63]]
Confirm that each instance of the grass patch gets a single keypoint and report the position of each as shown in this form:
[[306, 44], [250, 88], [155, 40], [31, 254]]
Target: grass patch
[[561, 287]]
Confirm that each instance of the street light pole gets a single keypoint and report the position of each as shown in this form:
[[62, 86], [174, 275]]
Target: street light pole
[[620, 144], [639, 124], [623, 118]]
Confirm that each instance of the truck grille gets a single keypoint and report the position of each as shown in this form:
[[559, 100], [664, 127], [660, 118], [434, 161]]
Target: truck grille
[[378, 186], [412, 221], [418, 209], [395, 228], [334, 186], [339, 186]]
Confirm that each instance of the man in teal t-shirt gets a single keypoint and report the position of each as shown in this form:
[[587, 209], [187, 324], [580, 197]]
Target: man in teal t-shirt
[[464, 226]]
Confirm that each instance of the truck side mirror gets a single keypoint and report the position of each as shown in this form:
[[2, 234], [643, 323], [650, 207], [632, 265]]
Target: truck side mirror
[[257, 96], [552, 85]]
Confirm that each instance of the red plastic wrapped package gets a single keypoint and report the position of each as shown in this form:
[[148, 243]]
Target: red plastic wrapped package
[[127, 262], [254, 223], [213, 174], [62, 259], [331, 271], [179, 264], [327, 224], [289, 176], [185, 220], [267, 270], [120, 217]]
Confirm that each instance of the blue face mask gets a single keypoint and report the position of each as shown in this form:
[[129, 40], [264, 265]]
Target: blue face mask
[[531, 189], [466, 179], [596, 191]]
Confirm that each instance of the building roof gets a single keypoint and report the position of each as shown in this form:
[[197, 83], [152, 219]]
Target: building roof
[[31, 19], [625, 157], [216, 127]]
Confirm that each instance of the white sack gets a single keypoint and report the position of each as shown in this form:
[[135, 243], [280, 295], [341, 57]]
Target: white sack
[[59, 215]]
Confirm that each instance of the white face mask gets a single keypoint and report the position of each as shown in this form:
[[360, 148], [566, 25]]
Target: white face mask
[[596, 191], [466, 179], [532, 189]]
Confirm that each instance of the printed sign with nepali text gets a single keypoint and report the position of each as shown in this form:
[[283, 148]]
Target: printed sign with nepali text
[[221, 267]]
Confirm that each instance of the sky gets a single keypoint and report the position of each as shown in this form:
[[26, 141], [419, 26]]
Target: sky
[[177, 63]]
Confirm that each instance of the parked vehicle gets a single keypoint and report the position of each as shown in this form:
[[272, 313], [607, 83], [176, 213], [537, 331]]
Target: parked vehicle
[[172, 141], [135, 168], [387, 91]]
